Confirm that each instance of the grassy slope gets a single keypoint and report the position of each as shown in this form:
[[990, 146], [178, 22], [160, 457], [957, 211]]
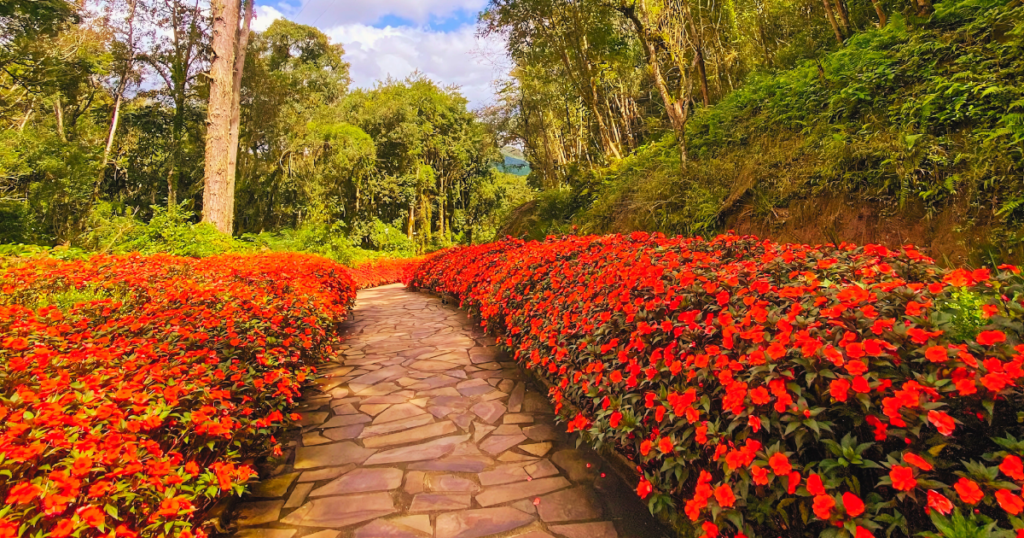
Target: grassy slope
[[903, 125]]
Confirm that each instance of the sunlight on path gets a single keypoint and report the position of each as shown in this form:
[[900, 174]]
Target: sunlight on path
[[422, 432]]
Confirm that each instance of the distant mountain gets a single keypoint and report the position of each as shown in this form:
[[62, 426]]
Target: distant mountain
[[515, 162]]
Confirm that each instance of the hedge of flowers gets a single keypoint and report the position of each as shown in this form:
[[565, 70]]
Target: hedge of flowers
[[385, 271], [768, 389], [136, 391]]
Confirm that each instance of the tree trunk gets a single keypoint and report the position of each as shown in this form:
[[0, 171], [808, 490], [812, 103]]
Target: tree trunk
[[28, 114], [114, 120], [882, 18], [674, 107], [844, 17], [832, 20], [217, 193], [412, 219], [58, 112], [701, 70], [236, 94]]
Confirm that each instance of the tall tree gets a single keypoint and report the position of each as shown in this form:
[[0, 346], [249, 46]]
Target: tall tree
[[218, 190]]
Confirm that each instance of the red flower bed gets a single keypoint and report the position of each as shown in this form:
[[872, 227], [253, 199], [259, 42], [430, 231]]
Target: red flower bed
[[766, 389], [134, 390], [385, 271]]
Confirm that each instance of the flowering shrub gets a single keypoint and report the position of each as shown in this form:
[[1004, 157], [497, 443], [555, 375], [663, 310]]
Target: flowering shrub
[[134, 390], [768, 389], [385, 271]]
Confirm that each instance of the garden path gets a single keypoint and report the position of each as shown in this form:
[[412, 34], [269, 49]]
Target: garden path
[[423, 430]]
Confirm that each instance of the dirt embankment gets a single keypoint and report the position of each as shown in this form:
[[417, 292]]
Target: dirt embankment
[[950, 236]]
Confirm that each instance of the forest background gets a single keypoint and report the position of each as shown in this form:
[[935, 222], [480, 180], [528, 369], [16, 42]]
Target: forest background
[[890, 121]]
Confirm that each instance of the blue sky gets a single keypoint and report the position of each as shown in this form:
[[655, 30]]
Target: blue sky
[[397, 37]]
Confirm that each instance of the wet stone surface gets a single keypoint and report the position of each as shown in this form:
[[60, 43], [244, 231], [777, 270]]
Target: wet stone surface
[[422, 429]]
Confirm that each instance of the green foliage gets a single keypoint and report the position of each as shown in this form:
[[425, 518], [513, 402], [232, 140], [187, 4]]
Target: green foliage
[[171, 231], [923, 112]]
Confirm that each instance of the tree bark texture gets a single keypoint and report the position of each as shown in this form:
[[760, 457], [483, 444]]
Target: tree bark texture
[[218, 192]]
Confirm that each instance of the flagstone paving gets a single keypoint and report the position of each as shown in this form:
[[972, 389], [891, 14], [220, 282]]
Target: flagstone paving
[[422, 429]]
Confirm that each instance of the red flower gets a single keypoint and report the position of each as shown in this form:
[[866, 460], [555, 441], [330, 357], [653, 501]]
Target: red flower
[[780, 464], [939, 502], [917, 461], [615, 418], [936, 354], [665, 445], [644, 488], [991, 338], [63, 528], [645, 447], [823, 505], [839, 389], [91, 516], [23, 493], [793, 480], [760, 396], [724, 496], [8, 529], [1012, 467], [942, 422], [968, 491], [1009, 502], [710, 529], [853, 505], [759, 474], [863, 533], [814, 485], [902, 478]]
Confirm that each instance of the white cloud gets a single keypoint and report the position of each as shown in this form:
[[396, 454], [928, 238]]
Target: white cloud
[[456, 57], [330, 13], [265, 15]]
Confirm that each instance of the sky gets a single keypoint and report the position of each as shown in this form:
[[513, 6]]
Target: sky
[[398, 37]]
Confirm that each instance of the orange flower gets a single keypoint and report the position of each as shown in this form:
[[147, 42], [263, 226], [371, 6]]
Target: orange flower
[[902, 478], [853, 505], [814, 485], [725, 496], [91, 516], [1009, 502], [645, 447], [939, 502], [942, 422], [991, 338], [1012, 467], [823, 505], [936, 354], [780, 464], [917, 461], [839, 389], [644, 488], [23, 493], [968, 491], [760, 475], [665, 445]]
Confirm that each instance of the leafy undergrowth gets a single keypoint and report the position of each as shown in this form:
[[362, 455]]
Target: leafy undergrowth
[[768, 389], [135, 391]]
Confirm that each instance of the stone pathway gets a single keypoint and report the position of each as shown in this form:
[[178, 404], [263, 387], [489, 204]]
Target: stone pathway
[[422, 430]]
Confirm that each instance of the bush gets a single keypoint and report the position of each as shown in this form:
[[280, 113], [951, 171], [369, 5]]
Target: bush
[[768, 389], [170, 231], [385, 271], [134, 390]]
